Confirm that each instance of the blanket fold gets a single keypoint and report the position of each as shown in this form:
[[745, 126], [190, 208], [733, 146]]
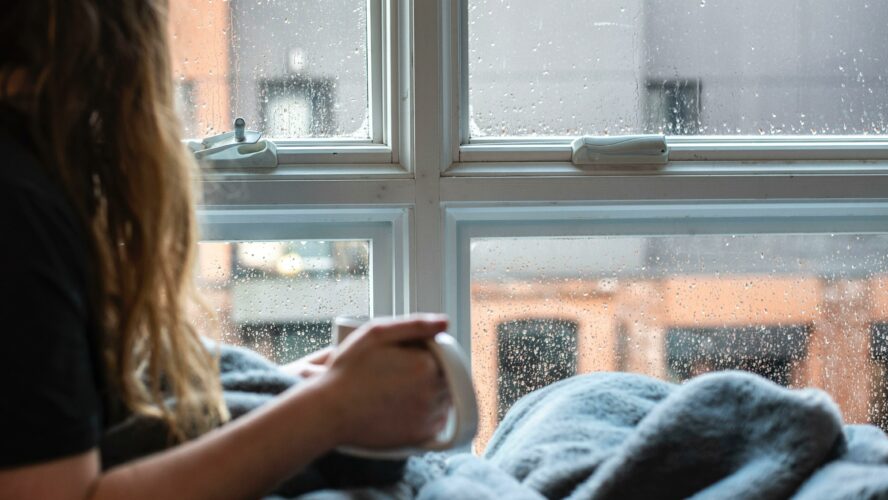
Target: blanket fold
[[597, 436]]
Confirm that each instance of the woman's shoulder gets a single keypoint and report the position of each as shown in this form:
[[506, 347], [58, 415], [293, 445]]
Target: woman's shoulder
[[49, 341], [43, 243], [23, 178], [34, 211]]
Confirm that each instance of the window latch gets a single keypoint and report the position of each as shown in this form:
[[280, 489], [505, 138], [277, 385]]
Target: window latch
[[239, 149], [620, 150]]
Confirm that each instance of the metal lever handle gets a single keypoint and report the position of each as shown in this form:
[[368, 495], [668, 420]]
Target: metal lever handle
[[240, 149], [240, 127]]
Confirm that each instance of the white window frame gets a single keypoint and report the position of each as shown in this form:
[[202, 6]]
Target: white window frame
[[435, 182]]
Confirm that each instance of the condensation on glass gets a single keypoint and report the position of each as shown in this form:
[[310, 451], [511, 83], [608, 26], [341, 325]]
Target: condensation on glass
[[279, 297], [683, 67], [291, 68], [800, 310]]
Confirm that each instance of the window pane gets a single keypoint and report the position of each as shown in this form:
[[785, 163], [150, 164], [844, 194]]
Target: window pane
[[682, 67], [279, 297], [801, 310], [291, 68]]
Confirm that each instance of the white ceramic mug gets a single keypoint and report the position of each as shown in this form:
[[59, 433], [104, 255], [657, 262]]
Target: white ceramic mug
[[462, 422]]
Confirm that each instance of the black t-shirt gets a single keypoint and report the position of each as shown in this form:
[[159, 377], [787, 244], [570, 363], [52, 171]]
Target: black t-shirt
[[51, 401]]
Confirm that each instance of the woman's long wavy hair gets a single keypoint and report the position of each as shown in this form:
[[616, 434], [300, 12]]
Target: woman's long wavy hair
[[99, 92]]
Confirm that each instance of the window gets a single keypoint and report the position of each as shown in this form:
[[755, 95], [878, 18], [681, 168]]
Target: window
[[674, 105], [580, 68], [438, 135], [279, 297], [738, 81], [298, 107], [315, 77], [278, 293], [186, 106], [796, 308], [234, 48], [531, 354], [773, 352], [879, 353]]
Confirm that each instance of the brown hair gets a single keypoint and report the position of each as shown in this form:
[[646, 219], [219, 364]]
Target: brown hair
[[100, 96]]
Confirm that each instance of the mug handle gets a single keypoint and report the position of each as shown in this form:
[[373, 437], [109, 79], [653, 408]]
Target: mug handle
[[462, 423]]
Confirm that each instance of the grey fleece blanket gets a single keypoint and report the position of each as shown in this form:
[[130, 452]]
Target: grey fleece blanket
[[614, 435]]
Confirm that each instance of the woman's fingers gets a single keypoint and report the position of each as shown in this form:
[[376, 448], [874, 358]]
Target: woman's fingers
[[392, 331], [312, 370], [412, 328], [309, 366], [304, 370], [397, 394], [319, 357]]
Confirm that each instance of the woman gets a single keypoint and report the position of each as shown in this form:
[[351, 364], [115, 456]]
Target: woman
[[98, 227]]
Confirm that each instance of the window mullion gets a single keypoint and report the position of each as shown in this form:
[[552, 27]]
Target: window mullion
[[427, 83]]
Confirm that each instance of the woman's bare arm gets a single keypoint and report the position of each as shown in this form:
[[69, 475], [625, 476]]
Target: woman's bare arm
[[241, 460], [249, 456], [375, 394]]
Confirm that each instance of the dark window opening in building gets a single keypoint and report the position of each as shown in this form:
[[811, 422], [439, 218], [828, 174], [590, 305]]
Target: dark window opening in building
[[285, 342], [879, 353], [769, 351], [297, 107], [622, 347], [532, 354], [186, 106], [674, 107]]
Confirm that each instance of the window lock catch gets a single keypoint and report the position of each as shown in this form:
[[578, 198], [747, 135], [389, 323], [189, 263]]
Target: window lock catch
[[621, 150], [239, 149]]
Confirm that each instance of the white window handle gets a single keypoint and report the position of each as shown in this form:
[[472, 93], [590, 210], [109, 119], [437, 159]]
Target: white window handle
[[240, 149], [620, 150]]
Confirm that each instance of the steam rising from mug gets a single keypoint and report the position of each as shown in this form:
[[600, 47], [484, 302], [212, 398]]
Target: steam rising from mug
[[462, 422]]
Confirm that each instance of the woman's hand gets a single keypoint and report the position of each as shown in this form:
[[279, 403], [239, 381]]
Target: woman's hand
[[309, 366], [388, 387]]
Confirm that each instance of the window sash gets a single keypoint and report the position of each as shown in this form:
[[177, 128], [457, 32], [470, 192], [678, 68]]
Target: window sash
[[384, 145], [638, 219], [385, 229], [465, 150]]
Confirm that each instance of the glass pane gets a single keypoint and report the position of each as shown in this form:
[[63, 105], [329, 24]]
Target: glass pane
[[682, 67], [801, 310], [279, 297], [291, 68]]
